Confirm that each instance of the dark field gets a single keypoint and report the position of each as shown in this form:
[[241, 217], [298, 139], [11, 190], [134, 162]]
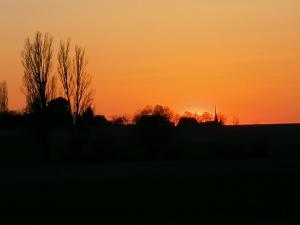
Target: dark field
[[129, 143], [212, 175]]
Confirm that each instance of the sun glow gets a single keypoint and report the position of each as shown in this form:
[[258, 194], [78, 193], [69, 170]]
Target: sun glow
[[196, 110], [242, 56]]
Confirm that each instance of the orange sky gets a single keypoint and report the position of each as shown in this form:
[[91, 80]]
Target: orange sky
[[243, 56]]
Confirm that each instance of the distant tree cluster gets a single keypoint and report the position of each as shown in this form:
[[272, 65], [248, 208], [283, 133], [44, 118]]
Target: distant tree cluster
[[157, 110], [205, 117], [120, 120], [40, 84]]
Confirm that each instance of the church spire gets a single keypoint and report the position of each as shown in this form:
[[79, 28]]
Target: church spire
[[216, 116]]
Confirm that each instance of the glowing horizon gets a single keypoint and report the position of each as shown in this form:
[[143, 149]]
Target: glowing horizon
[[242, 56]]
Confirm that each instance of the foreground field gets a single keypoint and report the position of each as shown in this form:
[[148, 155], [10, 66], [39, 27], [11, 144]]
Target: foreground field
[[128, 175], [97, 144], [254, 191]]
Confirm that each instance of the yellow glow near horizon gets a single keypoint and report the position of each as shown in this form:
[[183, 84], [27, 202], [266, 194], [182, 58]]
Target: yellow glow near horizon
[[242, 56]]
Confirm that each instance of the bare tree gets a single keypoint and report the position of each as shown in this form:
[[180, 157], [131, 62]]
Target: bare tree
[[83, 94], [3, 97], [37, 61], [52, 88], [64, 70]]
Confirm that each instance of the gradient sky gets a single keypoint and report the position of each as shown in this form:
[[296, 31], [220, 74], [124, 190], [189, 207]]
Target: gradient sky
[[241, 55]]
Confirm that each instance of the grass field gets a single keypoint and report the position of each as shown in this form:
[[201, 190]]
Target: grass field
[[261, 189], [216, 192]]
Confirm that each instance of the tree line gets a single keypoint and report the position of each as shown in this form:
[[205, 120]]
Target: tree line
[[40, 84]]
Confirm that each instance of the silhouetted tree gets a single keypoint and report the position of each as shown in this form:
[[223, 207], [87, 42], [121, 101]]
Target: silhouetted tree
[[52, 88], [152, 133], [3, 97], [195, 115], [88, 113], [83, 80], [157, 110], [87, 117], [59, 112], [222, 118], [206, 117], [120, 120], [187, 122], [64, 69], [163, 111], [188, 114], [37, 61], [150, 121], [153, 129]]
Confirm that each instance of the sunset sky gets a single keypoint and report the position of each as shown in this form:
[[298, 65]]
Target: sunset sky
[[241, 55]]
